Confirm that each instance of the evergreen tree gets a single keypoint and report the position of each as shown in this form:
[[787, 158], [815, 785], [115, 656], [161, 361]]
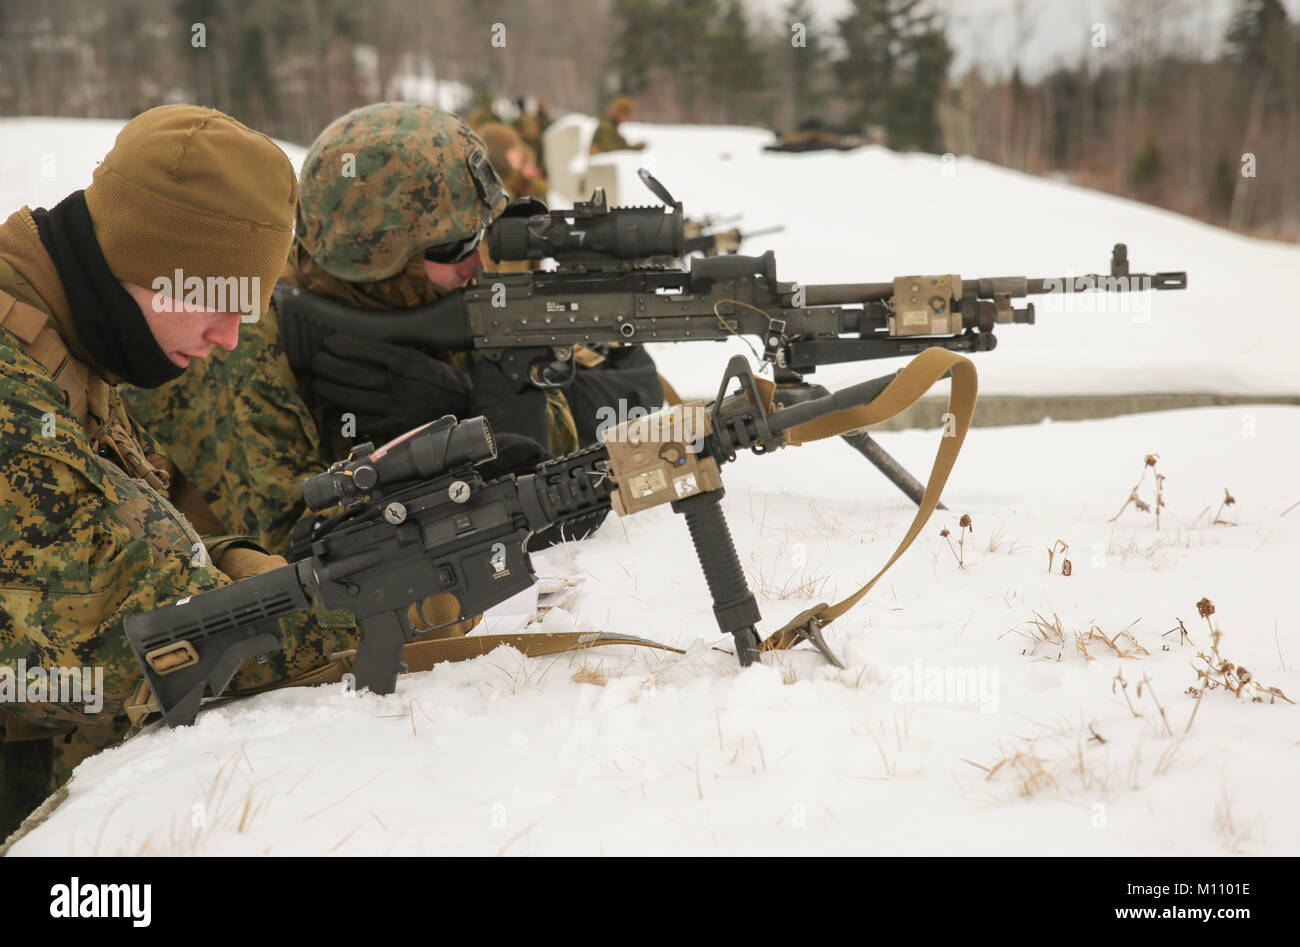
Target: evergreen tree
[[917, 89], [1149, 166], [204, 63], [735, 66], [866, 71], [687, 46], [252, 89], [804, 62], [1259, 35], [633, 54], [894, 69]]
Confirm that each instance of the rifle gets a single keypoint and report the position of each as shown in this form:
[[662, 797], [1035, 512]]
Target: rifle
[[618, 281], [419, 520], [707, 237]]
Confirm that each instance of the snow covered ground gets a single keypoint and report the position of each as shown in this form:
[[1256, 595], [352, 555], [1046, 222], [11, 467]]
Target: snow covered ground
[[954, 729], [980, 711]]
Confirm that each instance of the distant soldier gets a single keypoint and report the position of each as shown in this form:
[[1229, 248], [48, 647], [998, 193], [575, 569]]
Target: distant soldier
[[96, 291], [513, 161], [484, 111], [531, 125], [527, 125], [510, 160], [544, 121], [813, 135], [608, 137]]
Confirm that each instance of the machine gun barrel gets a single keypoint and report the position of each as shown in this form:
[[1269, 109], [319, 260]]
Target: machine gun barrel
[[844, 294]]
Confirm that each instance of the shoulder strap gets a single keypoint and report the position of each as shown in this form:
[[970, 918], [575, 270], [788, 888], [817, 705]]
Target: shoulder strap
[[918, 377], [85, 394], [44, 344], [421, 655]]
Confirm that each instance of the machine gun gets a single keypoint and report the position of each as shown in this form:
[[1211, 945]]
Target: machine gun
[[617, 282], [418, 520]]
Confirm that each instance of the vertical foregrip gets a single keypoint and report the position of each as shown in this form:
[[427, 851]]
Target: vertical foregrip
[[733, 603]]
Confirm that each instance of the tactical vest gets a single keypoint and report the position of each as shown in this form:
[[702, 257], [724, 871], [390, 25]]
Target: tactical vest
[[85, 393], [88, 396]]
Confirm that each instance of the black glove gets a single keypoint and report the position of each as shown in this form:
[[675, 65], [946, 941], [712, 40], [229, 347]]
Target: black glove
[[389, 388], [516, 454], [628, 374], [508, 411]]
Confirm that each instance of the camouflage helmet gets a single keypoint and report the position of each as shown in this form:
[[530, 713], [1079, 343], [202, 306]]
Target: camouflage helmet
[[385, 181]]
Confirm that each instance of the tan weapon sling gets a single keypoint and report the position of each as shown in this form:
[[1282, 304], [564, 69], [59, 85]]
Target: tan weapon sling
[[906, 389]]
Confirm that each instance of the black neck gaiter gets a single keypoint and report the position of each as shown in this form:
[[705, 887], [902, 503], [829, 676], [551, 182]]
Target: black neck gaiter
[[107, 319]]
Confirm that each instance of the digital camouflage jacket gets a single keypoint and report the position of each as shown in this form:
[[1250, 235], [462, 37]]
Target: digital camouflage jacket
[[82, 542]]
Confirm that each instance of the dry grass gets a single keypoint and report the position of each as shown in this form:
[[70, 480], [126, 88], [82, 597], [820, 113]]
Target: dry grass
[[1215, 671], [1122, 645], [902, 732], [1158, 500], [590, 675], [803, 585], [1063, 548], [1073, 764], [1231, 830], [222, 806], [1153, 549], [997, 544], [1040, 634], [525, 676]]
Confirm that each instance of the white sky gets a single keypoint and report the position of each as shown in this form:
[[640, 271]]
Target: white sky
[[985, 31]]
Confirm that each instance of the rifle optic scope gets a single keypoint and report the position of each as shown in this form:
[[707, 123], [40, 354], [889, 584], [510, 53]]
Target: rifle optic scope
[[589, 232], [419, 454]]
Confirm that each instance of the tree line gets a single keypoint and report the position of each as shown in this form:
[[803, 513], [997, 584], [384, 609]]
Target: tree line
[[1214, 136]]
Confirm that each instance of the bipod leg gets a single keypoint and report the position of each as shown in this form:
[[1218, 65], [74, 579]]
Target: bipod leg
[[913, 489], [733, 603], [884, 462]]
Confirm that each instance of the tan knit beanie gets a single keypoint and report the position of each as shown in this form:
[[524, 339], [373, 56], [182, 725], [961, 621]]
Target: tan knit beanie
[[192, 189]]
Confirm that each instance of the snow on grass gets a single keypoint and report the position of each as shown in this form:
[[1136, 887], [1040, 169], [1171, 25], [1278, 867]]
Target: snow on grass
[[980, 710]]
